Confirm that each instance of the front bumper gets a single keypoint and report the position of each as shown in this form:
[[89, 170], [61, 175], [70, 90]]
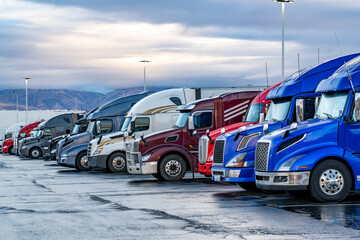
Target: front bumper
[[282, 180], [135, 165], [98, 161], [205, 168], [68, 161], [232, 174]]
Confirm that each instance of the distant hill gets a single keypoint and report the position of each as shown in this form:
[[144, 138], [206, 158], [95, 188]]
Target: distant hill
[[44, 99]]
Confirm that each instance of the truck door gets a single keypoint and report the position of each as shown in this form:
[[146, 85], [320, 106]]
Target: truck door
[[203, 120], [352, 129]]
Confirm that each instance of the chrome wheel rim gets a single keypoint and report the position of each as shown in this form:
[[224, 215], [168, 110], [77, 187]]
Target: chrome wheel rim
[[35, 153], [118, 163], [83, 162], [173, 168], [331, 181]]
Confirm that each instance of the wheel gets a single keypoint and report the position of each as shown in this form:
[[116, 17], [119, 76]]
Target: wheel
[[81, 162], [330, 181], [158, 176], [172, 168], [35, 153], [248, 186], [299, 194], [116, 163], [10, 150]]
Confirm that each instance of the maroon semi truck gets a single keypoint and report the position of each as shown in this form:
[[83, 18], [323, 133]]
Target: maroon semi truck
[[167, 155]]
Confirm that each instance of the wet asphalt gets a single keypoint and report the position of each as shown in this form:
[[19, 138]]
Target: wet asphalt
[[40, 200]]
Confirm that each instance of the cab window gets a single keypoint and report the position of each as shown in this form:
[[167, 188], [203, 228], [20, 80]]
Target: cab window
[[202, 119], [104, 126], [142, 124]]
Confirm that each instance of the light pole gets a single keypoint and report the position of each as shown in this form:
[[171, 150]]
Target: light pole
[[26, 91], [144, 61], [17, 106], [283, 33]]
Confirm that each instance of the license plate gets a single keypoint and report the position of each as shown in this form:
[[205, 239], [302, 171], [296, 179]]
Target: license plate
[[217, 178]]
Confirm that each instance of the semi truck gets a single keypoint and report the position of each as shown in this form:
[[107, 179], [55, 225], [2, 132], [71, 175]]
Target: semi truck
[[206, 143], [234, 153], [320, 156], [56, 126], [72, 151], [10, 133], [167, 155], [154, 113], [10, 145], [81, 126]]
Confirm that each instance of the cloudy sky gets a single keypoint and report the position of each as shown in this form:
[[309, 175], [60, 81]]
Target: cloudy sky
[[97, 44]]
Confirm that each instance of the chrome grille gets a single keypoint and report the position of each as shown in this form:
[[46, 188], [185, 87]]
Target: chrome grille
[[89, 150], [219, 151], [261, 156], [203, 149]]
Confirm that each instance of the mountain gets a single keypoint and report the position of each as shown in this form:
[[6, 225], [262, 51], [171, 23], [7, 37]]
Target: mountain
[[52, 99]]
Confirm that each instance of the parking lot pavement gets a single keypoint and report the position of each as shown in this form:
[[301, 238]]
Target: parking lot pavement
[[40, 200]]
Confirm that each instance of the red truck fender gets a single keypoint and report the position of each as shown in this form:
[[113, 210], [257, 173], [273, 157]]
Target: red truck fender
[[159, 153]]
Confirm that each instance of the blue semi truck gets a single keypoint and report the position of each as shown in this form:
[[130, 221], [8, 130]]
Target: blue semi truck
[[72, 151], [320, 156], [234, 152]]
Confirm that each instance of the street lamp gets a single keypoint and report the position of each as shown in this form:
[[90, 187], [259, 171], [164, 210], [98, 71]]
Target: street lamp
[[283, 32], [144, 61], [17, 106], [26, 84]]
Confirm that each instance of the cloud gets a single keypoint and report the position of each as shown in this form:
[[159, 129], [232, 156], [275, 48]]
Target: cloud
[[87, 44]]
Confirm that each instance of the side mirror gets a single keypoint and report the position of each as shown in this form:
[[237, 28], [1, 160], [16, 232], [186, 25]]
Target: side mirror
[[267, 108], [132, 127], [357, 109], [300, 110], [262, 117], [194, 133], [317, 99], [191, 123], [98, 127]]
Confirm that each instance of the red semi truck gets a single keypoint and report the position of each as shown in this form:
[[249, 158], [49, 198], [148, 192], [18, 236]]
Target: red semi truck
[[167, 155], [24, 132], [206, 142]]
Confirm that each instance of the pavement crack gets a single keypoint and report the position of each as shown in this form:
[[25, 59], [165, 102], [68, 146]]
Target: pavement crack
[[41, 185]]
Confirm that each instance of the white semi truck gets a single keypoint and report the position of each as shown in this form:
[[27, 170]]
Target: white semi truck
[[154, 113]]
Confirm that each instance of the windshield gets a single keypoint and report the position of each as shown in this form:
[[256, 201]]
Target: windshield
[[126, 124], [278, 110], [182, 119], [331, 105], [254, 111], [91, 126], [80, 128], [38, 134], [76, 129]]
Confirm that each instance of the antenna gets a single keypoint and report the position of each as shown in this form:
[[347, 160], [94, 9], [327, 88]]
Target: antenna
[[267, 76], [347, 69]]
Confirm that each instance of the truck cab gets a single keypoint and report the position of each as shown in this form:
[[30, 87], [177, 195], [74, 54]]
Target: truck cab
[[10, 133], [319, 156], [72, 151], [234, 152], [169, 154], [56, 126], [23, 133], [206, 143]]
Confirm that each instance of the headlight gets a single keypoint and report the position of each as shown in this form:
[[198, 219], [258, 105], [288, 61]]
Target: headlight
[[237, 161], [285, 167], [146, 157], [24, 147], [212, 157], [98, 151]]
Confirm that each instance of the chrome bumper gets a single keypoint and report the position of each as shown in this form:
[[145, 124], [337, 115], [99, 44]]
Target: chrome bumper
[[282, 180], [136, 166]]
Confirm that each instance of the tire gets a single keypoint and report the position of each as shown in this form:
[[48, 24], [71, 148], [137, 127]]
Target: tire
[[335, 191], [172, 168], [35, 153], [158, 176], [10, 150], [81, 163], [116, 163], [248, 186], [299, 194]]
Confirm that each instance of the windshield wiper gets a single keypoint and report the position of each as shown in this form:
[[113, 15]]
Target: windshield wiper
[[275, 120], [317, 115], [328, 115]]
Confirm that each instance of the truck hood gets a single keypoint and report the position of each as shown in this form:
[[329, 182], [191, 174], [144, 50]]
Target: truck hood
[[77, 136], [159, 138], [308, 134], [30, 139], [214, 134]]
